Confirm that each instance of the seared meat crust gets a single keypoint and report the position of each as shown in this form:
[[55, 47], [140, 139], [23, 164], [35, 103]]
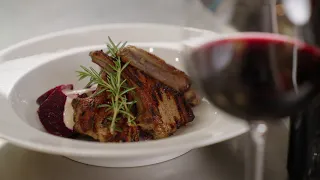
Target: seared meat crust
[[155, 67], [161, 110], [92, 120]]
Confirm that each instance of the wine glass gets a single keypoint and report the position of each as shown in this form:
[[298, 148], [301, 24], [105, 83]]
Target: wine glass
[[248, 70]]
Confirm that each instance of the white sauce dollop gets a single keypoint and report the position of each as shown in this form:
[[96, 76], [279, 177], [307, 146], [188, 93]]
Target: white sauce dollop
[[68, 114], [68, 109]]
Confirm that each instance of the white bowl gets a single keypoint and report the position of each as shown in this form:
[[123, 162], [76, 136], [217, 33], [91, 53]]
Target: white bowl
[[37, 74]]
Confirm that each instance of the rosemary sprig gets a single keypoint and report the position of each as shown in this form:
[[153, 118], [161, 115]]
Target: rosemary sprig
[[114, 84]]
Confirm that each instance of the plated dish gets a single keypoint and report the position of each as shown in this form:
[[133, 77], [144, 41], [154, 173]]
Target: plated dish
[[134, 96], [32, 67]]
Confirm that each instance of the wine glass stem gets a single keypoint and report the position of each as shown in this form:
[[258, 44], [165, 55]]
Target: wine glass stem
[[255, 151]]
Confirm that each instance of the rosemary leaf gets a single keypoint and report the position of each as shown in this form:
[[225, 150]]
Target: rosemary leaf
[[123, 45], [126, 91], [99, 92], [131, 102], [111, 42], [126, 113], [125, 65], [104, 105], [118, 129], [114, 84]]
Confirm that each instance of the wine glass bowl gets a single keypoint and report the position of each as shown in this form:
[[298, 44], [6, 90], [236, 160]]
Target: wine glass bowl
[[250, 75], [257, 75]]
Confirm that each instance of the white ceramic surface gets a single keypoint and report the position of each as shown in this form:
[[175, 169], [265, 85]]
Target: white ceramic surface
[[51, 60]]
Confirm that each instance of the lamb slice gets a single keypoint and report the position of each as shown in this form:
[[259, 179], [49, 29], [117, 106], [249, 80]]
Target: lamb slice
[[161, 109], [104, 61], [192, 97], [155, 67], [92, 121]]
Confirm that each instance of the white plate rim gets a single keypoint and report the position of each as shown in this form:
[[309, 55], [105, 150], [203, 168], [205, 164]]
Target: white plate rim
[[7, 50]]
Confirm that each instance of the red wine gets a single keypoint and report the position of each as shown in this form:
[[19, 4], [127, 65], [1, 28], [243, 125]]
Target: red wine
[[251, 76]]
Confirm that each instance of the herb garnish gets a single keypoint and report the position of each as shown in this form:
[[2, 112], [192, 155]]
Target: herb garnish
[[115, 85]]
